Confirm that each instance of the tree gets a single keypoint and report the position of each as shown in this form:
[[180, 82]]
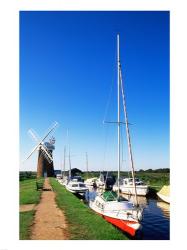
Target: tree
[[76, 171]]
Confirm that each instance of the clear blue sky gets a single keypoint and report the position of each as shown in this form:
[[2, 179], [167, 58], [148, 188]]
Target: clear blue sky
[[67, 68]]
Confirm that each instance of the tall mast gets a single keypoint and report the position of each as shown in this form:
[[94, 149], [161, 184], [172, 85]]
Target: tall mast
[[128, 136], [61, 168], [64, 165], [118, 77], [69, 154], [69, 165], [87, 163]]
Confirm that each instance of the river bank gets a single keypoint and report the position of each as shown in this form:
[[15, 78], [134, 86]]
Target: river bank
[[84, 224]]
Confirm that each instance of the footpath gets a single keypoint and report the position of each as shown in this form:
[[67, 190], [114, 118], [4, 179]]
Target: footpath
[[49, 222]]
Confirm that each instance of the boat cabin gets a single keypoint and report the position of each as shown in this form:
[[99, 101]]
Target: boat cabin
[[78, 184], [77, 179], [129, 181]]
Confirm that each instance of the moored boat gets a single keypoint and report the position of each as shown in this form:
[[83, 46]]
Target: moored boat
[[90, 181], [127, 187], [105, 181], [118, 211], [164, 193], [76, 187], [110, 205]]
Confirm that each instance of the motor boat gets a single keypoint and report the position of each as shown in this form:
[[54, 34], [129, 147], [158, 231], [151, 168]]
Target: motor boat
[[76, 187], [127, 187]]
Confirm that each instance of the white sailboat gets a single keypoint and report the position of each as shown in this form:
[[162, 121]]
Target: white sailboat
[[89, 182], [75, 184], [111, 206], [64, 179], [105, 181]]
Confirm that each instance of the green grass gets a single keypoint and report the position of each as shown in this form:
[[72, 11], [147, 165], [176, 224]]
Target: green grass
[[83, 223], [28, 192], [28, 195], [25, 221]]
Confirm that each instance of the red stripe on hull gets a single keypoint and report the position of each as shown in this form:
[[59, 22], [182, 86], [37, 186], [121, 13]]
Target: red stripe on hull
[[121, 224]]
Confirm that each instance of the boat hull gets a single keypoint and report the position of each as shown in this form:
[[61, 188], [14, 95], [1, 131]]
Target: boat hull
[[125, 226], [164, 198], [141, 191], [120, 219], [164, 193], [77, 191]]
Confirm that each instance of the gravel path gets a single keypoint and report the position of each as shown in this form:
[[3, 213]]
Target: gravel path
[[49, 222]]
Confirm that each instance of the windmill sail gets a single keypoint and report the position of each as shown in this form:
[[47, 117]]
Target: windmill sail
[[45, 159]]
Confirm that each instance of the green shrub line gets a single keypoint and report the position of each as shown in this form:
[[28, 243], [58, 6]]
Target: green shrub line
[[83, 223]]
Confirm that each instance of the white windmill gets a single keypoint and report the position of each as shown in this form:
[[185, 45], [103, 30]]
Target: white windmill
[[45, 149]]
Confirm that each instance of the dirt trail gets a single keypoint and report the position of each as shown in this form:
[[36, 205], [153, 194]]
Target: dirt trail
[[49, 222], [27, 207]]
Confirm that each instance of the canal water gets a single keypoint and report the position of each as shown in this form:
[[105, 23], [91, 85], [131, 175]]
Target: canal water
[[155, 222], [156, 218]]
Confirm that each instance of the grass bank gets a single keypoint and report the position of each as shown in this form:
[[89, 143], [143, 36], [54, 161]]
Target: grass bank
[[28, 192], [84, 224], [25, 222], [28, 195]]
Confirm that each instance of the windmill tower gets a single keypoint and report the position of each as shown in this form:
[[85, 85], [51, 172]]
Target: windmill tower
[[45, 167]]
